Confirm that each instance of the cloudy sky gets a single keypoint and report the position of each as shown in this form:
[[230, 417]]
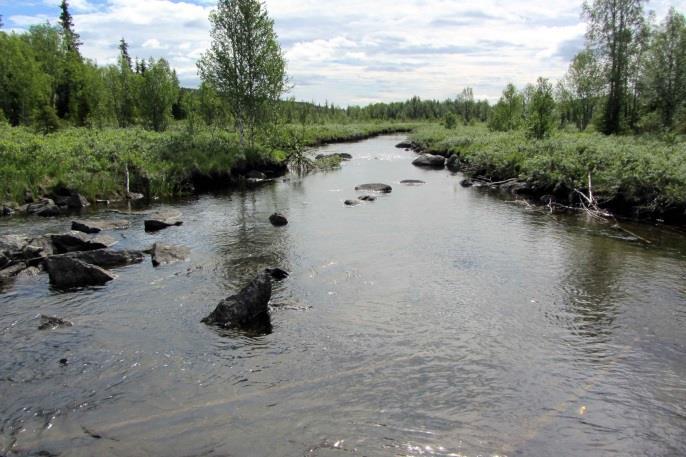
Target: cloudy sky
[[351, 51]]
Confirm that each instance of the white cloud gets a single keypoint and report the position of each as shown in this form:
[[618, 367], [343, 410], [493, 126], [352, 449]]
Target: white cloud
[[356, 51]]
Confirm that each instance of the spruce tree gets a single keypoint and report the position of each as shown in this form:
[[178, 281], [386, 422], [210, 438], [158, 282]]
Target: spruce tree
[[71, 38]]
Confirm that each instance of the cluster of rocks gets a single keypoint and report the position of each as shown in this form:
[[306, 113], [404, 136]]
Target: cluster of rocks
[[339, 155], [83, 256]]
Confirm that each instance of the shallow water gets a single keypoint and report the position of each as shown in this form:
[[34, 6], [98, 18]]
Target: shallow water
[[435, 321]]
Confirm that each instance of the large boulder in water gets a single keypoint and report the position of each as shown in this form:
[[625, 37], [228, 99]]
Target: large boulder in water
[[108, 258], [97, 226], [162, 220], [278, 220], [66, 272], [429, 161], [375, 187], [247, 307], [78, 241]]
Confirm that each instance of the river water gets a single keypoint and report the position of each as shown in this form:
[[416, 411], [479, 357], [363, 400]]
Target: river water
[[436, 320]]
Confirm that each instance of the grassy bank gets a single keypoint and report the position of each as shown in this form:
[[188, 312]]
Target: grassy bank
[[638, 176], [94, 162]]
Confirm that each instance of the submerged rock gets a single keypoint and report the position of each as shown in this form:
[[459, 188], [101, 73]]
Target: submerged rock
[[52, 323], [276, 273], [247, 307], [161, 220], [367, 198], [339, 155], [66, 272], [351, 202], [78, 241], [278, 220], [108, 258], [375, 187], [12, 270], [163, 254], [412, 182], [466, 182], [97, 226], [430, 161], [405, 145]]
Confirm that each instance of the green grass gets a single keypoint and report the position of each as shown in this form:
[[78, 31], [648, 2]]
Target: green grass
[[94, 161], [636, 170]]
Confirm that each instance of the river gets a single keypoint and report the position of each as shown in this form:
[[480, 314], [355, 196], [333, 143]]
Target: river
[[436, 320]]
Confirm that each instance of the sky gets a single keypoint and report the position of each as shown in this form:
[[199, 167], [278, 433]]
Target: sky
[[350, 52]]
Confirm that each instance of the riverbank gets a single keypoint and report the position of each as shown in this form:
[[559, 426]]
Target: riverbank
[[633, 176], [94, 163]]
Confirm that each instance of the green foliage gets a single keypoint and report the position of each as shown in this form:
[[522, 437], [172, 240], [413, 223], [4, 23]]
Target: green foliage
[[450, 121], [508, 112], [541, 112], [159, 91], [245, 63], [643, 170]]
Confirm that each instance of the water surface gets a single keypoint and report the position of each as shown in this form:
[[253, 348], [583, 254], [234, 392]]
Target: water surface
[[435, 321]]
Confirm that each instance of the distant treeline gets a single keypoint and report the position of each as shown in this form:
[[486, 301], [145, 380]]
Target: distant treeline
[[630, 78]]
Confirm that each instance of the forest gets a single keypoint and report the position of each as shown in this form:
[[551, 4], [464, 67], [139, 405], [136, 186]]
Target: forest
[[621, 104]]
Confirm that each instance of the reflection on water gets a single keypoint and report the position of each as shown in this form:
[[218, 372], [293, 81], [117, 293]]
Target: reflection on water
[[436, 320]]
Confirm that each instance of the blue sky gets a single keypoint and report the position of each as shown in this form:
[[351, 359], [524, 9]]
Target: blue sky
[[354, 51]]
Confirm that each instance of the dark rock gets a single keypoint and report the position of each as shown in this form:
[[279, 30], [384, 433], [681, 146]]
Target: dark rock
[[96, 226], [278, 220], [246, 307], [44, 208], [108, 258], [277, 273], [430, 161], [254, 174], [466, 182], [375, 187], [4, 261], [351, 202], [162, 220], [163, 254], [453, 163], [12, 270], [64, 361], [367, 198], [77, 241], [66, 272], [412, 182], [405, 145], [6, 211], [52, 323], [75, 201], [345, 156]]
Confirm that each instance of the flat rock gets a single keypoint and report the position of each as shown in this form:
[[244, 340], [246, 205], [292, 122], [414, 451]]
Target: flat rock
[[66, 272], [405, 145], [429, 161], [375, 187], [97, 226], [78, 241], [412, 182], [351, 202], [246, 307], [163, 254], [44, 208], [367, 198], [339, 155], [161, 220], [108, 258], [278, 220], [52, 323]]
